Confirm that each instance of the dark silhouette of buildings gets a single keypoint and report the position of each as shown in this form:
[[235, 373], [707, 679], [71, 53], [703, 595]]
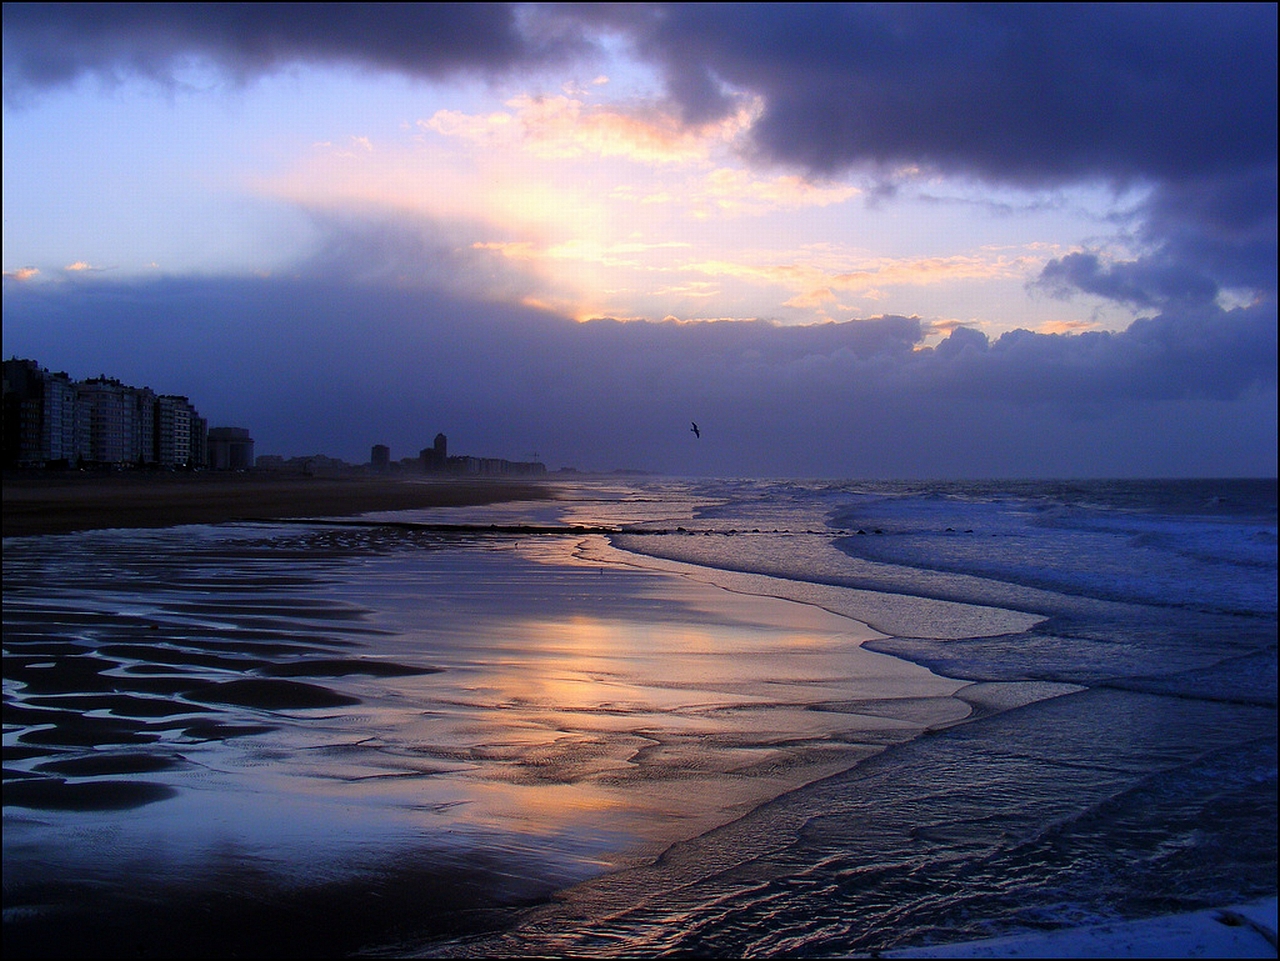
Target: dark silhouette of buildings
[[52, 421], [436, 457], [436, 460], [230, 448]]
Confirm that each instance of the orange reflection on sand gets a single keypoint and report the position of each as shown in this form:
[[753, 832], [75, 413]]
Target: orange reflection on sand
[[659, 728]]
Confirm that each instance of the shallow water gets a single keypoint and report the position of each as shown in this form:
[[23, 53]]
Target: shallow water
[[201, 708], [342, 736], [1150, 788]]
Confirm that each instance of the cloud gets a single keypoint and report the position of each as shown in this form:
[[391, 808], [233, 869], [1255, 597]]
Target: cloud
[[1032, 93], [1197, 353], [1200, 236], [1194, 390], [22, 274], [567, 127], [815, 276], [1177, 99], [81, 267], [1144, 283], [1181, 100], [48, 45], [1014, 92]]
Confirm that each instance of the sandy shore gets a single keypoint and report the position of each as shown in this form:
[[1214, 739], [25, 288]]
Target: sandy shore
[[61, 503]]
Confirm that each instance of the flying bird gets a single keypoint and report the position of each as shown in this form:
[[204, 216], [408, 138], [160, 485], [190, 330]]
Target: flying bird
[[694, 428]]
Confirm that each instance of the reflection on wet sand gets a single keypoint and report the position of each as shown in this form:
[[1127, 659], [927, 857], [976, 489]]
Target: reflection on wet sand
[[253, 713]]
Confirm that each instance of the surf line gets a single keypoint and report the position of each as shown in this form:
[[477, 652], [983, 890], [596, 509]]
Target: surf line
[[442, 528], [435, 528]]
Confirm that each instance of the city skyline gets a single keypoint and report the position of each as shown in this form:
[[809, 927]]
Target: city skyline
[[1025, 240], [52, 420]]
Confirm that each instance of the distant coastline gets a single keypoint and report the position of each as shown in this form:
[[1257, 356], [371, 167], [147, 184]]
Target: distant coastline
[[37, 502]]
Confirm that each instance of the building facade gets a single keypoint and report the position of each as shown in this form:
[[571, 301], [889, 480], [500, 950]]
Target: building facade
[[44, 423], [230, 448], [51, 420]]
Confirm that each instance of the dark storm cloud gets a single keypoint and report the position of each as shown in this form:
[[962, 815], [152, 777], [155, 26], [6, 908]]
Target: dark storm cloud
[[314, 364], [1227, 223], [1012, 92], [1182, 353], [1143, 283], [54, 43], [1201, 234]]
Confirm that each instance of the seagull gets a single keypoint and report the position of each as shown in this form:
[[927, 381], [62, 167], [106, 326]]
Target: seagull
[[694, 428]]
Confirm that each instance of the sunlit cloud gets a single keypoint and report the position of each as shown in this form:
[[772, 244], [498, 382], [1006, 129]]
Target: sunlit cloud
[[944, 326], [918, 272], [691, 289], [820, 299], [819, 282], [814, 282], [620, 209], [580, 251], [22, 274], [574, 88], [1066, 326], [563, 127], [735, 190]]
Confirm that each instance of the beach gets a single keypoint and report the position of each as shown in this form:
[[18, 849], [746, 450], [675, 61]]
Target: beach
[[61, 502], [487, 730], [551, 722]]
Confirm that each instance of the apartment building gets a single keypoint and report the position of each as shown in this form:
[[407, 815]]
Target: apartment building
[[51, 420]]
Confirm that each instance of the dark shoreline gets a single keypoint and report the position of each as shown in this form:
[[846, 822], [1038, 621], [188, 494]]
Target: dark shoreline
[[60, 503]]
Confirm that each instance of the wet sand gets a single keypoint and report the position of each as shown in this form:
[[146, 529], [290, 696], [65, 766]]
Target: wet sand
[[58, 503], [304, 742], [326, 740]]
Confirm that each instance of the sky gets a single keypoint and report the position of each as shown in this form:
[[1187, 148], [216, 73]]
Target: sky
[[863, 241]]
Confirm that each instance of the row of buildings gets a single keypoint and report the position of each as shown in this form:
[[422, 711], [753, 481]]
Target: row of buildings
[[436, 460], [51, 420], [431, 460]]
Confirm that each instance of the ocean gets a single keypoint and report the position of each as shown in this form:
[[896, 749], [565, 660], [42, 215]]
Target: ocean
[[697, 717]]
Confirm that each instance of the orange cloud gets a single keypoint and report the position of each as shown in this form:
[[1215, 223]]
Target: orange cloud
[[814, 282], [736, 190], [1066, 326], [513, 250], [815, 299], [565, 127], [582, 251]]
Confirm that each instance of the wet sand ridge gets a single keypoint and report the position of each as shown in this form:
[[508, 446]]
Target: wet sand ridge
[[61, 503]]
